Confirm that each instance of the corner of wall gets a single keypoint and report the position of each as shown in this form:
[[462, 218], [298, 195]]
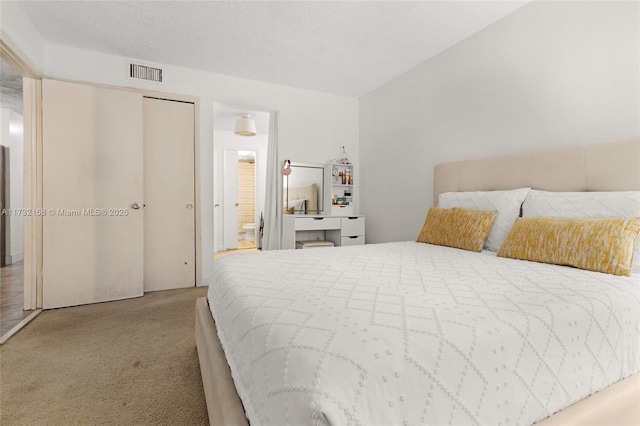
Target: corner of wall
[[22, 37]]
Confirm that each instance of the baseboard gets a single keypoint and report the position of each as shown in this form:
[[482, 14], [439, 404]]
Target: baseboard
[[10, 259]]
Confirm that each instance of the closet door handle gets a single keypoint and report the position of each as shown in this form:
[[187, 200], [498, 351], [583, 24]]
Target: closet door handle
[[136, 206], [318, 218]]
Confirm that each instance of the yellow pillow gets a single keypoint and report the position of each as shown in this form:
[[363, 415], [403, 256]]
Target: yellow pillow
[[460, 228], [603, 245]]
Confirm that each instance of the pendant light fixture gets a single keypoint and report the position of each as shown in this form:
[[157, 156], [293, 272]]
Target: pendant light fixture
[[245, 126]]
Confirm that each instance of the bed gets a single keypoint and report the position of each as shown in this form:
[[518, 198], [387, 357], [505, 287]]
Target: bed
[[416, 310]]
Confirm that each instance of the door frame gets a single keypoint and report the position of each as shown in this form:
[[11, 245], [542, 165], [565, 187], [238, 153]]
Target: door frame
[[258, 193], [218, 180], [32, 189]]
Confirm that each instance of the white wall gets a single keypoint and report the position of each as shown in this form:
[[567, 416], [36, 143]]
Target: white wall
[[11, 136], [224, 139], [550, 74], [21, 35], [312, 125]]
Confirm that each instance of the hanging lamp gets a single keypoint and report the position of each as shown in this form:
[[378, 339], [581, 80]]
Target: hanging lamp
[[245, 126]]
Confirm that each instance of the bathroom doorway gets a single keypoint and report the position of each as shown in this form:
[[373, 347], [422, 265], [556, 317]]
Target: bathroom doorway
[[240, 164], [247, 200], [239, 200]]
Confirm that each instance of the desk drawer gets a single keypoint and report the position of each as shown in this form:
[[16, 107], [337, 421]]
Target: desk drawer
[[352, 241], [352, 226], [317, 223]]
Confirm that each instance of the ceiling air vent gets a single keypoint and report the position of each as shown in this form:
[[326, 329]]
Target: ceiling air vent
[[144, 72]]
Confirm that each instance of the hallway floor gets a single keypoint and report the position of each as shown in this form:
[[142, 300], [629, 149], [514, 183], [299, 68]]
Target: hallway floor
[[244, 246], [12, 297]]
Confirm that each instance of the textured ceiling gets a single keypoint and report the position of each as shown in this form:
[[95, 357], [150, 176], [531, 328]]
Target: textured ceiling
[[342, 47], [10, 88]]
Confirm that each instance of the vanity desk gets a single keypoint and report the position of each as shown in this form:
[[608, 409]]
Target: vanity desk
[[340, 230]]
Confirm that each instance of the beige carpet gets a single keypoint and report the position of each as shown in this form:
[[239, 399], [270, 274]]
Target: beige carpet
[[126, 362]]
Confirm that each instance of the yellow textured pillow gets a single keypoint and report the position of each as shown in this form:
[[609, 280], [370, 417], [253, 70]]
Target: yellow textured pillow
[[460, 228], [603, 245]]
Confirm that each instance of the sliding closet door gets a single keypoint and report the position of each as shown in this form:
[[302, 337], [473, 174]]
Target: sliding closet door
[[169, 212], [92, 175]]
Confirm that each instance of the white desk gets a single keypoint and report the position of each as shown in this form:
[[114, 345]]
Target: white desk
[[341, 230]]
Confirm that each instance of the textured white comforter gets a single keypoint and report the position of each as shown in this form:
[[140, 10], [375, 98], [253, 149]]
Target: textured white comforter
[[410, 333]]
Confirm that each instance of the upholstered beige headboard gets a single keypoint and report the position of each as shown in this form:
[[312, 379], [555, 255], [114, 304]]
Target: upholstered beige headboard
[[306, 192], [593, 167]]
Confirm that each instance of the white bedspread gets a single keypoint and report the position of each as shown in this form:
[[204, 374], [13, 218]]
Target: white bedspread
[[410, 333]]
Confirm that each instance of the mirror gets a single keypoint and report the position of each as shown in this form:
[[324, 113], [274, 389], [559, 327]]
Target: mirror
[[303, 190]]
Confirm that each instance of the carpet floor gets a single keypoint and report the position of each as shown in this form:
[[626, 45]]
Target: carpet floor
[[126, 362]]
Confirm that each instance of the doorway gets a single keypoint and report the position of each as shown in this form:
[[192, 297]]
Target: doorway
[[239, 200], [240, 164], [247, 230]]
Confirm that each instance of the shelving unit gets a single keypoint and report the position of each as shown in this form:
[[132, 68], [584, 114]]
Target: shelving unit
[[338, 223], [341, 189]]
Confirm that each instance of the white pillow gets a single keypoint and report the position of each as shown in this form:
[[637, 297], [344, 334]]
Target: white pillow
[[507, 203], [577, 205]]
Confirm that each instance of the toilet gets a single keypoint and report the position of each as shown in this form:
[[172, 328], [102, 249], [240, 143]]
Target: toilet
[[249, 231]]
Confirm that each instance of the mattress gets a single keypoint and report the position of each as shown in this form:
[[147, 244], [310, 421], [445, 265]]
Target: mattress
[[411, 333]]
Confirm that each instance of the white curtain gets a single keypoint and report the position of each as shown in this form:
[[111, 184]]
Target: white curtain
[[272, 239]]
